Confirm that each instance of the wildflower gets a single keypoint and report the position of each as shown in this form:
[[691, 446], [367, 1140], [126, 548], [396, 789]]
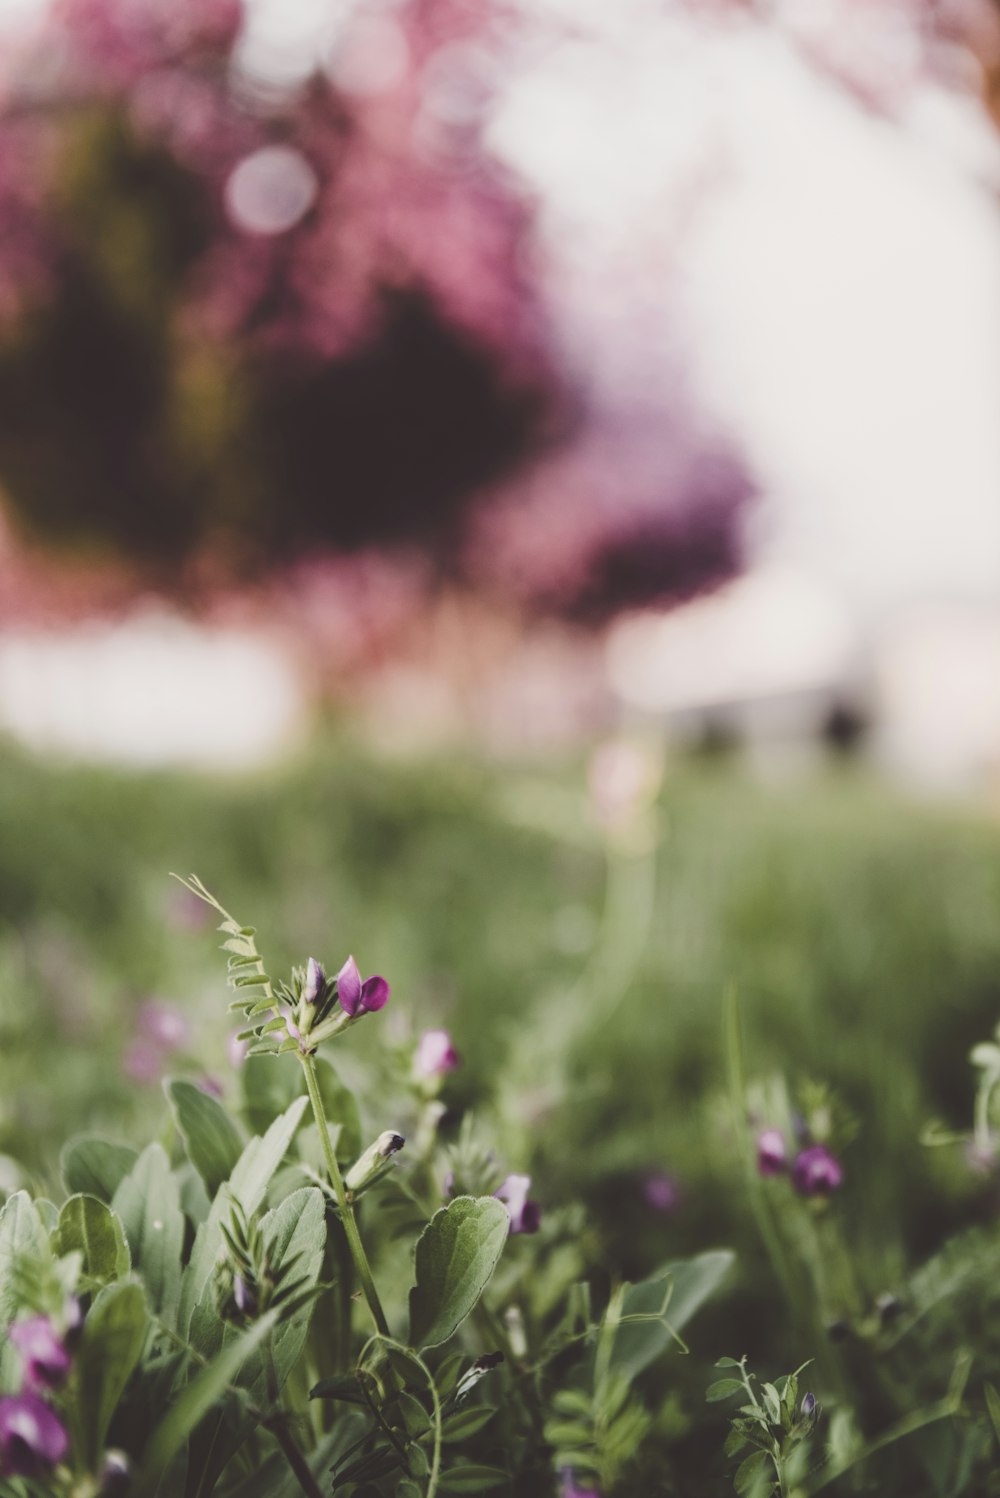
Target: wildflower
[[357, 997], [772, 1156], [162, 1025], [32, 1438], [816, 1172], [808, 1405], [660, 1191], [244, 1296], [315, 982], [569, 1488], [435, 1054], [44, 1358], [294, 1033], [525, 1216]]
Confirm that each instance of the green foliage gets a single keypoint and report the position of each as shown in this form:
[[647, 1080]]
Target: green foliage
[[88, 1227], [455, 1258]]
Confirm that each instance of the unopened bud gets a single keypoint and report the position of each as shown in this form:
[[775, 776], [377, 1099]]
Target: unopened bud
[[369, 1166], [315, 982], [244, 1297], [116, 1475]]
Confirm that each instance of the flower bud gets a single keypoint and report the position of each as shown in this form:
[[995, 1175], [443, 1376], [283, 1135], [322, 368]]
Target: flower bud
[[373, 1163], [116, 1475], [244, 1297], [315, 983], [808, 1406], [772, 1156]]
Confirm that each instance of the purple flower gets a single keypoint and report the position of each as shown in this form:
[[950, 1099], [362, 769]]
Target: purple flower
[[660, 1191], [32, 1438], [816, 1171], [44, 1359], [294, 1032], [162, 1025], [569, 1489], [315, 982], [357, 997], [808, 1406], [435, 1054], [525, 1216], [772, 1154]]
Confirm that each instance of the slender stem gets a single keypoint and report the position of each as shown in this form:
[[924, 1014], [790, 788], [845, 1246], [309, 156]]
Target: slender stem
[[358, 1255], [307, 1482]]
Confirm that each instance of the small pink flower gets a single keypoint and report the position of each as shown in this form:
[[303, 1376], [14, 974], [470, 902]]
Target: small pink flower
[[33, 1440], [772, 1153], [525, 1215], [143, 1062], [44, 1358], [660, 1191], [436, 1054]]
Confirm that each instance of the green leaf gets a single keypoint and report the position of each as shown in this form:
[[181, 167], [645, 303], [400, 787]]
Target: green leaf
[[267, 1090], [690, 1282], [95, 1166], [22, 1236], [148, 1203], [247, 1186], [728, 1363], [993, 1406], [295, 1231], [472, 1479], [752, 1472], [456, 1255], [114, 1334], [212, 1140], [197, 1398], [465, 1423], [90, 1227], [724, 1389]]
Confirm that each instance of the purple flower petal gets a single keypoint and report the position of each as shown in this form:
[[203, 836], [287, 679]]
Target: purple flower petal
[[349, 987], [816, 1172], [374, 994], [315, 981], [435, 1054], [525, 1216], [32, 1438], [44, 1358], [772, 1153]]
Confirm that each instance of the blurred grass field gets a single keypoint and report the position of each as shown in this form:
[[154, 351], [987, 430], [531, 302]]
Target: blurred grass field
[[862, 931]]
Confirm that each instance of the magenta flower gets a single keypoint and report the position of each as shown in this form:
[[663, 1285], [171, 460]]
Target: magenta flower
[[162, 1025], [32, 1437], [772, 1154], [315, 982], [660, 1191], [44, 1359], [525, 1216], [816, 1172], [435, 1054], [357, 997], [568, 1486]]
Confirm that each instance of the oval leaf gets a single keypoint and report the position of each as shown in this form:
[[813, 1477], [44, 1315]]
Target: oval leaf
[[211, 1138], [148, 1203], [89, 1227], [114, 1334], [96, 1166], [456, 1255]]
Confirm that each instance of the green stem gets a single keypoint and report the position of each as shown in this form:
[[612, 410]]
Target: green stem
[[360, 1259]]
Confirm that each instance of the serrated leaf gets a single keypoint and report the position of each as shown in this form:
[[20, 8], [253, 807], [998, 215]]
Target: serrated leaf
[[111, 1344], [89, 1226], [211, 1138], [95, 1166], [472, 1479], [691, 1281], [456, 1255], [149, 1205]]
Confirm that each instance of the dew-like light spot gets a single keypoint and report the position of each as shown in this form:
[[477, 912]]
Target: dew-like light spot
[[270, 190]]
